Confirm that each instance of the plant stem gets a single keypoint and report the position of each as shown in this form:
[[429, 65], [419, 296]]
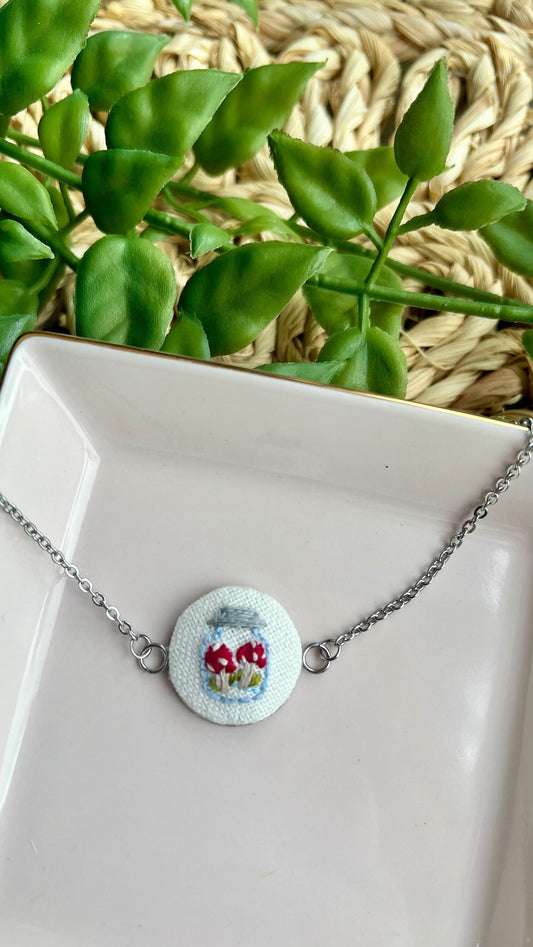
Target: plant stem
[[186, 209], [416, 223], [392, 230], [46, 276], [207, 199], [162, 221], [47, 292], [429, 279], [67, 202], [374, 238], [75, 222], [364, 312], [40, 164], [509, 313], [23, 139], [188, 176]]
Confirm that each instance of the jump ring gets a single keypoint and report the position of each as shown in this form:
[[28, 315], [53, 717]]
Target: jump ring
[[324, 656], [163, 661], [331, 641], [145, 650]]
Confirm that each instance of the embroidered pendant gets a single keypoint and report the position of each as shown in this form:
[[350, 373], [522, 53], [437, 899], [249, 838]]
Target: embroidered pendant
[[234, 656]]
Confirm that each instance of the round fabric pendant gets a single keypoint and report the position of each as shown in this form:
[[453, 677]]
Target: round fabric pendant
[[234, 656]]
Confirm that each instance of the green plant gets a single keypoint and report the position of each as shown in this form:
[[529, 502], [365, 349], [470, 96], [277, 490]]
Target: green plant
[[125, 287], [249, 6]]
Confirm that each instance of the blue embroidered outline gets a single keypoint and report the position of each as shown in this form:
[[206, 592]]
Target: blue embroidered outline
[[259, 688]]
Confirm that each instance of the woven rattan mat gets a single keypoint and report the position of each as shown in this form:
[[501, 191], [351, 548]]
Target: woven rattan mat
[[377, 56]]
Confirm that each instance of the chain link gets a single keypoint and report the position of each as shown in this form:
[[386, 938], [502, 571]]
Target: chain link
[[318, 656], [98, 599]]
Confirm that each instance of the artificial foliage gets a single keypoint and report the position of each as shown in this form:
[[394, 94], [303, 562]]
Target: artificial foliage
[[155, 129]]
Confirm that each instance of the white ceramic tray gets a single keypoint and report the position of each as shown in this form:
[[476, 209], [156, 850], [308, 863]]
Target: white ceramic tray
[[389, 802]]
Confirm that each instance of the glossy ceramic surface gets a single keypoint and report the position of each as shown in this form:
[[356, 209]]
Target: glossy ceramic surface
[[388, 803]]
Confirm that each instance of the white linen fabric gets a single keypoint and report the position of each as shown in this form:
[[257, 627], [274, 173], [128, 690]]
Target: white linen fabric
[[235, 656]]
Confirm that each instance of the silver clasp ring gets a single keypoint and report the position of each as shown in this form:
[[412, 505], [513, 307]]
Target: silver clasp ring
[[146, 651], [146, 648], [163, 661], [324, 654], [336, 642]]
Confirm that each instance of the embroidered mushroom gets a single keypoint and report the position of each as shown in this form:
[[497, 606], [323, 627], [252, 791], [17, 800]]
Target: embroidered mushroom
[[219, 662], [252, 658]]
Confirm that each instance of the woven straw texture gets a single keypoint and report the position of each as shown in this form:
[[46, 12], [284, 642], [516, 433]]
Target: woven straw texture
[[378, 55]]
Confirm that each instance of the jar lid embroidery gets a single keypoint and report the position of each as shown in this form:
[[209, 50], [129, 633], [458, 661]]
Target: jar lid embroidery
[[236, 616]]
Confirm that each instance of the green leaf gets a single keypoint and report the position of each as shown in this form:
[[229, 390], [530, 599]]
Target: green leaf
[[125, 293], [377, 364], [308, 371], [119, 186], [187, 337], [423, 138], [337, 311], [257, 218], [16, 299], [249, 7], [262, 101], [23, 196], [237, 295], [114, 63], [205, 236], [328, 190], [511, 240], [379, 163], [168, 114], [39, 39], [11, 327], [261, 223], [25, 271], [476, 204], [17, 244], [4, 125], [153, 234], [341, 345], [63, 129], [60, 210], [184, 7], [242, 208]]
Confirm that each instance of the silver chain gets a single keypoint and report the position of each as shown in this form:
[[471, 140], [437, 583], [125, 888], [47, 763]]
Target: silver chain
[[140, 651], [318, 656], [327, 650]]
